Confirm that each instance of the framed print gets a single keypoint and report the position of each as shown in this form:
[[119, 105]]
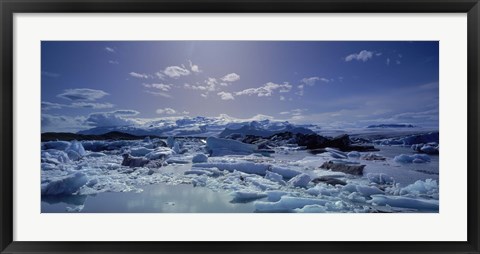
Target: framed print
[[265, 126]]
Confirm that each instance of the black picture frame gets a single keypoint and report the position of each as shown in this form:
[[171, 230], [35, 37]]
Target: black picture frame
[[10, 7]]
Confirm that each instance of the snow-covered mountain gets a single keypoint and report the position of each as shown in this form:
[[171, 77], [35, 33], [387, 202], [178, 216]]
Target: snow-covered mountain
[[203, 126]]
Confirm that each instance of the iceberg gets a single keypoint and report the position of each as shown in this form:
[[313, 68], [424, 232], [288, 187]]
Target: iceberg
[[287, 204], [423, 205], [380, 178], [140, 151], [65, 186], [285, 172], [221, 146], [199, 158], [246, 167], [367, 191], [428, 187], [336, 154], [54, 156], [301, 180], [57, 145], [244, 196], [274, 177], [416, 158]]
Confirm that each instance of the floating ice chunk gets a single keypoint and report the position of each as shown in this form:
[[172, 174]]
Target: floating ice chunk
[[428, 187], [367, 191], [353, 154], [301, 180], [198, 172], [410, 140], [261, 183], [176, 148], [287, 204], [246, 167], [315, 190], [336, 154], [274, 177], [213, 171], [177, 160], [350, 187], [159, 153], [56, 156], [274, 196], [74, 156], [57, 145], [95, 154], [285, 172], [429, 149], [140, 151], [426, 205], [199, 158], [416, 158], [65, 186], [48, 166], [380, 178], [170, 141], [77, 147], [92, 182], [220, 147], [356, 197], [147, 139], [246, 196], [77, 208], [311, 209]]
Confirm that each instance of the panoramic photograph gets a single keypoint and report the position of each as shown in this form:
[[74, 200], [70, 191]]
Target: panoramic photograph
[[239, 127]]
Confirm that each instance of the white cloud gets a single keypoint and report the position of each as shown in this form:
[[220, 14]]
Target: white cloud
[[226, 96], [176, 71], [50, 74], [115, 118], [166, 111], [110, 50], [388, 61], [282, 98], [266, 90], [126, 112], [60, 123], [113, 62], [232, 77], [293, 112], [160, 75], [210, 85], [363, 55], [310, 82], [194, 67], [50, 105], [163, 87], [82, 94], [139, 75], [159, 94], [91, 105]]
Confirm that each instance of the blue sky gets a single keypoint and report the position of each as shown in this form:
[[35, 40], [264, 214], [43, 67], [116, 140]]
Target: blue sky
[[337, 84]]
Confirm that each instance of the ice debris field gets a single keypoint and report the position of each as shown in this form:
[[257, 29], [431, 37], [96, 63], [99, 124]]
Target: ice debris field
[[276, 167]]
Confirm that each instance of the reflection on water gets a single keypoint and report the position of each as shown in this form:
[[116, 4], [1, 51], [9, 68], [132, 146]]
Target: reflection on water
[[158, 198]]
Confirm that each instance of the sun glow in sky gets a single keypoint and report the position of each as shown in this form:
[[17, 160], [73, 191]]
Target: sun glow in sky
[[339, 84]]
